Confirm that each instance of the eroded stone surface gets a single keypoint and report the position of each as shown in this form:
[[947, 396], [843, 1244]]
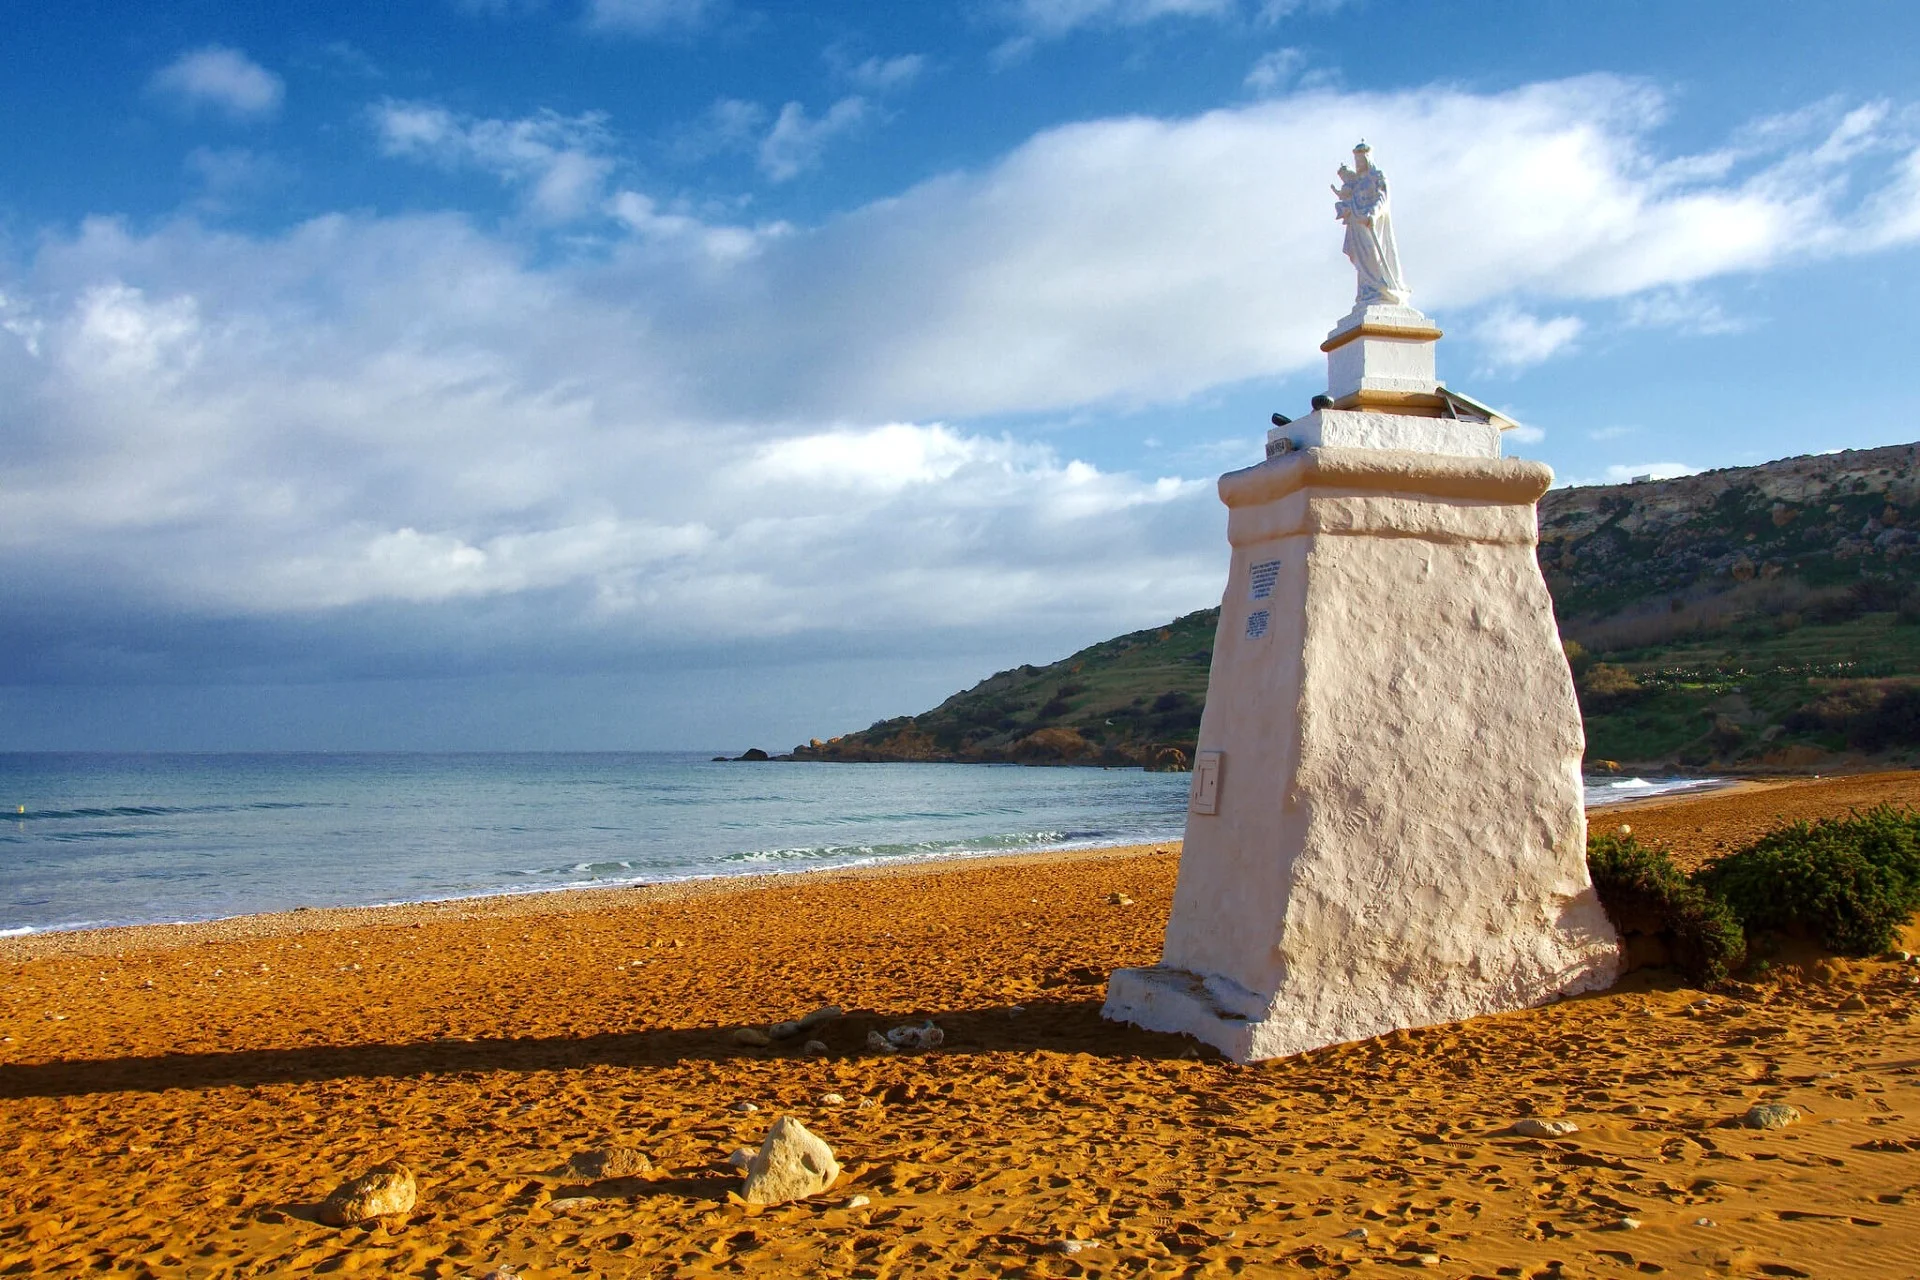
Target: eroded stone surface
[[385, 1190], [791, 1164], [1770, 1115]]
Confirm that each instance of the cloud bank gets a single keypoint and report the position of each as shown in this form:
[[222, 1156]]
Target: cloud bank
[[372, 443]]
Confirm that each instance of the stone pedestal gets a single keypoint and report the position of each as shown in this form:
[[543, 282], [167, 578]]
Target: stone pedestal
[[1386, 826], [1380, 358]]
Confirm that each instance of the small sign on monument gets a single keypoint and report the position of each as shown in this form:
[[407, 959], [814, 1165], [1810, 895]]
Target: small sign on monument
[[1203, 794]]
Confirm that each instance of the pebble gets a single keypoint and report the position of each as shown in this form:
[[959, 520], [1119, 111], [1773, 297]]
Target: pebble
[[1769, 1115], [924, 1036], [1536, 1127], [1429, 1259], [784, 1030], [815, 1047], [744, 1108], [858, 1202], [1071, 1247], [752, 1037], [1119, 900], [825, 1013], [1358, 1233], [1705, 1222], [1629, 1224], [501, 1272], [832, 1100], [741, 1157], [1855, 1004]]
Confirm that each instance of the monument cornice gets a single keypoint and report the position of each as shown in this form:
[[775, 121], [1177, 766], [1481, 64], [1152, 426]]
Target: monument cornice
[[1426, 333], [1516, 480]]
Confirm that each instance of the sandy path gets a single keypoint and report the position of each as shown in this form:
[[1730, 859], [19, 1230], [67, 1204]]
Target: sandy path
[[172, 1102]]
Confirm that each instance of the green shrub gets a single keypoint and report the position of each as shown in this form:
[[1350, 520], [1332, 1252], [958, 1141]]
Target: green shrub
[[1849, 882], [1644, 892]]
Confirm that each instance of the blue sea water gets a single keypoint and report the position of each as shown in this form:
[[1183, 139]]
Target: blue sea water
[[89, 840]]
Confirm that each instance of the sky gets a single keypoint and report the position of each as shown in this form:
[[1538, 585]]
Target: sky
[[661, 374]]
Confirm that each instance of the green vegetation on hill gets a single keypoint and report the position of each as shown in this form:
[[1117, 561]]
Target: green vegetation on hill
[[1133, 700], [1756, 618]]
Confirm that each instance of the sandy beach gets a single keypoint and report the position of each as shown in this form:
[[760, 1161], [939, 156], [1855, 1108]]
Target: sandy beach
[[175, 1101]]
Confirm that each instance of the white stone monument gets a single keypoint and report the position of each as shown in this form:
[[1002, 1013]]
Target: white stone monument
[[1385, 827]]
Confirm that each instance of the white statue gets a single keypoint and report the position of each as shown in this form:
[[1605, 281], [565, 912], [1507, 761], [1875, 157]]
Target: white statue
[[1362, 205]]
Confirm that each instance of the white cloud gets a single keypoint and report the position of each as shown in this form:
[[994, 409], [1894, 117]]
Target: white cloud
[[646, 218], [558, 162], [221, 78], [1682, 310], [796, 140], [1057, 17], [730, 124], [1274, 71], [1513, 339], [885, 75], [651, 17]]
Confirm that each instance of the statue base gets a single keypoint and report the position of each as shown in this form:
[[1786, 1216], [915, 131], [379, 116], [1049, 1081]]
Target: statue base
[[1386, 826], [1380, 359]]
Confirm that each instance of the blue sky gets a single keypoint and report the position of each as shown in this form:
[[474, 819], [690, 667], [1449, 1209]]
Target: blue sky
[[477, 374]]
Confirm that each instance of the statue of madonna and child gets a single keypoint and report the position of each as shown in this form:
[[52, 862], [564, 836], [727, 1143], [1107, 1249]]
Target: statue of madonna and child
[[1361, 203]]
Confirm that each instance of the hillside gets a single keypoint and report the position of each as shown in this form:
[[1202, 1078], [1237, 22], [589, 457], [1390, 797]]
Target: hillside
[[1760, 617]]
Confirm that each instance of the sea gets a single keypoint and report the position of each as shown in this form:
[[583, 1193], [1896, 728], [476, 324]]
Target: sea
[[94, 840]]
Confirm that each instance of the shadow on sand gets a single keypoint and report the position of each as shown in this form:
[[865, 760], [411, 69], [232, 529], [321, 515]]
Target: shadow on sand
[[1066, 1026]]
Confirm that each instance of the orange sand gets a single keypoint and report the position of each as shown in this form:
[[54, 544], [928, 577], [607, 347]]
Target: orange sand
[[175, 1101]]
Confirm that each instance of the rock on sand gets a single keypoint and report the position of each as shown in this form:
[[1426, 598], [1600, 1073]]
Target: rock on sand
[[609, 1162], [381, 1191], [1769, 1115], [791, 1164], [1535, 1127]]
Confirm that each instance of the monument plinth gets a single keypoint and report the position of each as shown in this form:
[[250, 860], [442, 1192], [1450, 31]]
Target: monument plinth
[[1385, 827]]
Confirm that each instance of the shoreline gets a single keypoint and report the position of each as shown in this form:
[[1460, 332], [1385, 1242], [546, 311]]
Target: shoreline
[[109, 939]]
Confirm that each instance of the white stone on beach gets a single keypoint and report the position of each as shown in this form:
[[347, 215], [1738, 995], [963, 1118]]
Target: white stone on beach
[[744, 1108], [1538, 1127], [791, 1164], [832, 1100], [385, 1190], [740, 1158], [1386, 825]]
